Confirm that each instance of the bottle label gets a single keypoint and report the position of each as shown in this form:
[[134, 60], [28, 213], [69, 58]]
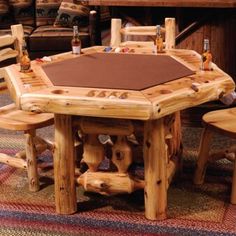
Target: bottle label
[[25, 68], [206, 61], [76, 49], [25, 64], [159, 45]]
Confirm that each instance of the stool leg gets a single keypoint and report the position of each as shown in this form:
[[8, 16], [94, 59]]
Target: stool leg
[[31, 154], [202, 156], [233, 192]]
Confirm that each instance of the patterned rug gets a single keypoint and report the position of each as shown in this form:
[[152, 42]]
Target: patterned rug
[[192, 210]]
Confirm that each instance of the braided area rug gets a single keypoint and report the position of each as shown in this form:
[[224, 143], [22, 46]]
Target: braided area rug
[[192, 210]]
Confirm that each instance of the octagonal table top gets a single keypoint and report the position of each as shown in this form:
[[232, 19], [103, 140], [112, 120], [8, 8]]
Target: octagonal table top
[[116, 71], [135, 84]]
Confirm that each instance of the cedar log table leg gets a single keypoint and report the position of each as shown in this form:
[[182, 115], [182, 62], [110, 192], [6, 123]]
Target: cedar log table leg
[[155, 170], [31, 156], [64, 165]]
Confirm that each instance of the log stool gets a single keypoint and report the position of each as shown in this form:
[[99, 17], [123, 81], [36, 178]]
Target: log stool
[[222, 122]]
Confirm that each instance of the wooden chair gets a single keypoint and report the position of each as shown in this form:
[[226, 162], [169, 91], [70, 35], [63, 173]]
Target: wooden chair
[[221, 122], [7, 53], [17, 120], [126, 37], [121, 36]]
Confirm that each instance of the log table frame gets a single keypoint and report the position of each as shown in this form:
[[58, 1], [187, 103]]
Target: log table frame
[[35, 92]]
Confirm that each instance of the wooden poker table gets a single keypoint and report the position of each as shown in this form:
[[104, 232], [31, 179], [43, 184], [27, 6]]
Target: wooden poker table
[[120, 89]]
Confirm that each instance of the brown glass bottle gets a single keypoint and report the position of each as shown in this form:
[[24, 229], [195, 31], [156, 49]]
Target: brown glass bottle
[[75, 42], [25, 63], [159, 40], [206, 56]]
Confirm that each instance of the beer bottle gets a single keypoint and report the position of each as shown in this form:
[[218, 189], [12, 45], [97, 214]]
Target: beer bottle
[[25, 63], [159, 40], [206, 56], [75, 42]]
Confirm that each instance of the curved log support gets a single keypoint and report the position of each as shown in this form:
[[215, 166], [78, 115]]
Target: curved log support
[[93, 152], [122, 154], [109, 183]]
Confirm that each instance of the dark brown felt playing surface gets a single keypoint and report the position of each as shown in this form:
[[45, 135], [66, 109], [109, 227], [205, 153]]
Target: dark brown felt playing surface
[[116, 71]]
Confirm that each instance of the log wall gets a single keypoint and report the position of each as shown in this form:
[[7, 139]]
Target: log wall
[[219, 27], [193, 25]]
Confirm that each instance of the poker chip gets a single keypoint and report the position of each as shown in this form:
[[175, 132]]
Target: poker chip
[[117, 50], [107, 49], [125, 50], [112, 97]]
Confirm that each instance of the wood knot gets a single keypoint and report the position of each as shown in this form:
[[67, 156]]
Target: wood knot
[[165, 91], [119, 155], [194, 87]]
